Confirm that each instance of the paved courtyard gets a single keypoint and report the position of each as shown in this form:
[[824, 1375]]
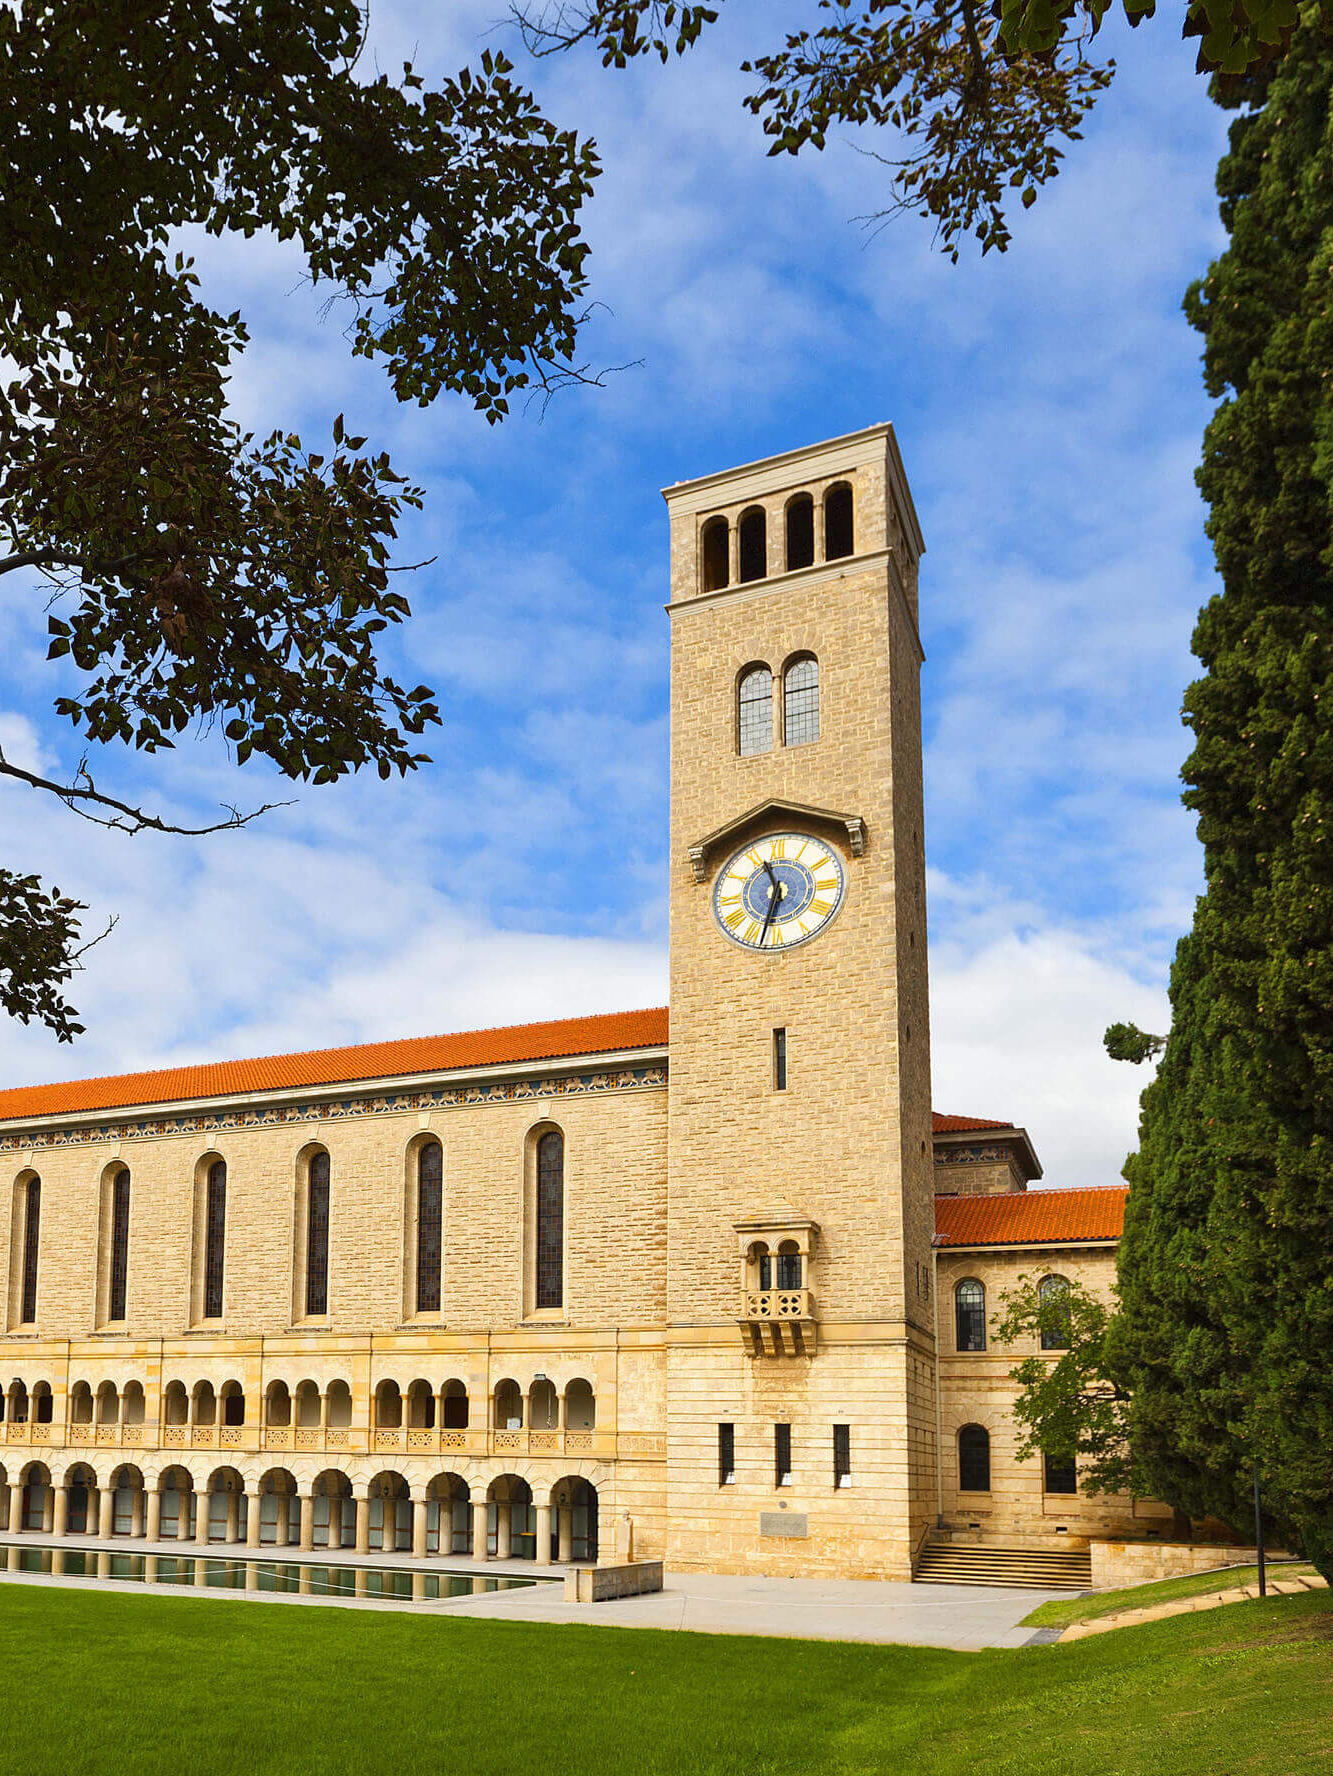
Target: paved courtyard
[[966, 1617]]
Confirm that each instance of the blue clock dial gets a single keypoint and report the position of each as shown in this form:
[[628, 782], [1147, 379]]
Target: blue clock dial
[[778, 892]]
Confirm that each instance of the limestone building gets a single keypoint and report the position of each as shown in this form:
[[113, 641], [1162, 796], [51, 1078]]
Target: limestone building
[[722, 1293]]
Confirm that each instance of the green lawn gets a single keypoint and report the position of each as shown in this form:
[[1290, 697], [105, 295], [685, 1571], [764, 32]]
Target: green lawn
[[1064, 1610], [101, 1684]]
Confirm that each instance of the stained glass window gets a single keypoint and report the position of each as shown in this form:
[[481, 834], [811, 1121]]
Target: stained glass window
[[974, 1459], [755, 724], [800, 701], [317, 1236], [430, 1225], [120, 1244], [551, 1220], [32, 1218], [969, 1312], [215, 1238]]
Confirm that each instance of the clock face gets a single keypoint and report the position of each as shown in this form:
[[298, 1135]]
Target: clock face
[[778, 892]]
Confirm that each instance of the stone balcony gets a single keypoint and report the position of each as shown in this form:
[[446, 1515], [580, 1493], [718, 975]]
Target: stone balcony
[[780, 1322], [592, 1445]]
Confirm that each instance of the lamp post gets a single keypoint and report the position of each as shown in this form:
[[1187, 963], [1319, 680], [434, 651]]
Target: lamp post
[[1259, 1537]]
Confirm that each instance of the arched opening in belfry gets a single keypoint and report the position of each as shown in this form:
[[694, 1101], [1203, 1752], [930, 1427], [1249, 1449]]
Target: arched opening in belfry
[[753, 544], [716, 546], [800, 531], [839, 537]]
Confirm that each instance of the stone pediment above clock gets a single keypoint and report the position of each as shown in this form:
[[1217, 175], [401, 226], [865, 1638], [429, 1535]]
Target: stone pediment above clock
[[849, 829]]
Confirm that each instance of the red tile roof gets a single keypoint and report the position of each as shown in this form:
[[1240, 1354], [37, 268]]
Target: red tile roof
[[1031, 1217], [954, 1125], [336, 1066]]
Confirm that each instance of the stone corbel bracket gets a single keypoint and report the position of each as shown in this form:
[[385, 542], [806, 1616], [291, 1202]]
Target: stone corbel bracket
[[850, 829]]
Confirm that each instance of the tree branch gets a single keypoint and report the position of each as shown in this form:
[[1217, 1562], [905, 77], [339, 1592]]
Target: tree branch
[[83, 794]]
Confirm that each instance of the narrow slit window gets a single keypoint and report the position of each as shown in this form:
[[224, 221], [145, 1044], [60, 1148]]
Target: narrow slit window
[[780, 1060], [215, 1238], [120, 1245], [430, 1226], [755, 711], [726, 1454], [800, 701], [842, 1454], [551, 1220], [782, 1455], [32, 1221], [800, 532], [317, 1236], [838, 528]]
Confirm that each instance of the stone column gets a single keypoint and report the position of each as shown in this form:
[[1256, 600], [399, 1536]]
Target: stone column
[[479, 1510], [202, 1513], [543, 1535], [306, 1535], [233, 1528], [566, 1534], [106, 1505], [15, 1507], [503, 1529], [420, 1516], [252, 1504], [49, 1511], [153, 1527], [136, 1513], [61, 1516], [363, 1525]]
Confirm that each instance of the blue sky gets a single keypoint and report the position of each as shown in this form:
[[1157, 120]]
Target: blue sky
[[1049, 409]]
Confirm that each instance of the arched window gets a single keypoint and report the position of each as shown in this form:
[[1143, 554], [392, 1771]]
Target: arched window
[[317, 1235], [754, 711], [800, 519], [969, 1315], [789, 1265], [838, 528], [430, 1225], [753, 544], [215, 1238], [1061, 1474], [118, 1272], [32, 1224], [716, 546], [1053, 1308], [973, 1459], [551, 1220], [800, 701]]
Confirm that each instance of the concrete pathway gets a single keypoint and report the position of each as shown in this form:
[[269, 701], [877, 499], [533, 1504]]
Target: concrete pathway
[[965, 1617]]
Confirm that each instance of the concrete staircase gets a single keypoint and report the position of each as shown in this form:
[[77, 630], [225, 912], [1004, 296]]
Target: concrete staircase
[[970, 1563]]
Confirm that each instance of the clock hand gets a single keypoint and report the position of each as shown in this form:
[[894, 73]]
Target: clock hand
[[774, 896]]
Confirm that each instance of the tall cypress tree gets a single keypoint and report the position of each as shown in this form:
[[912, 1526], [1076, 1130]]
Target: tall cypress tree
[[1226, 1268]]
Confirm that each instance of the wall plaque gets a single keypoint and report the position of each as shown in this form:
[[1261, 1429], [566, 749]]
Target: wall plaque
[[783, 1523]]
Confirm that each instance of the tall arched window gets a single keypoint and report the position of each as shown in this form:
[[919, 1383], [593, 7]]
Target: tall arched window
[[716, 545], [754, 711], [118, 1273], [215, 1238], [1053, 1307], [838, 529], [551, 1220], [32, 1225], [969, 1315], [800, 518], [430, 1225], [753, 544], [317, 1235], [973, 1459], [800, 701]]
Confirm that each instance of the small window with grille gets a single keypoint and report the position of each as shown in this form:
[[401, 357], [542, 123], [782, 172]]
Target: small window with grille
[[842, 1455], [726, 1455], [754, 716], [800, 701], [782, 1455], [780, 1060]]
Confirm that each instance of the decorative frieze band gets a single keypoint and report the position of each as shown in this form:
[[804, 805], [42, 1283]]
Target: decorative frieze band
[[436, 1098]]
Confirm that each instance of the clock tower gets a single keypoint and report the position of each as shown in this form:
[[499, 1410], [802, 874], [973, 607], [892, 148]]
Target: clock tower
[[801, 1350]]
